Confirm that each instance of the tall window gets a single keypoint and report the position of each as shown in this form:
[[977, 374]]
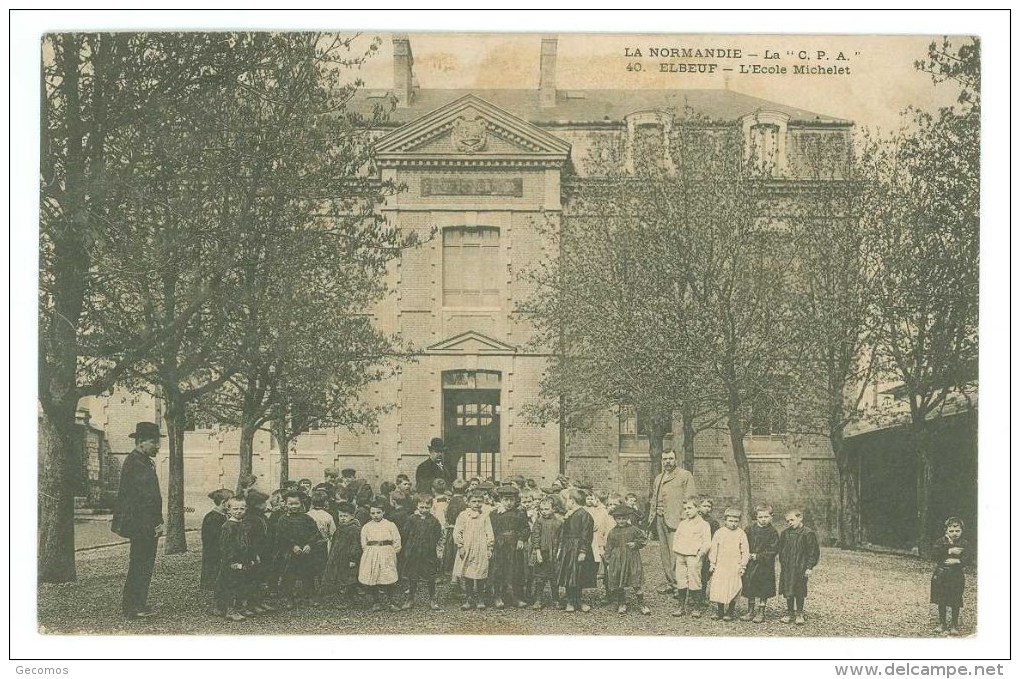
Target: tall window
[[768, 416], [471, 266], [647, 142], [765, 142], [633, 425]]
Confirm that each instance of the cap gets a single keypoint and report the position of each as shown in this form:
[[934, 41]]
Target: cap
[[621, 510]]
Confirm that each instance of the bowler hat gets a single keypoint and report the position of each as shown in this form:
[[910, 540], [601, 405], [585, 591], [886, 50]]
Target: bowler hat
[[145, 431], [438, 445]]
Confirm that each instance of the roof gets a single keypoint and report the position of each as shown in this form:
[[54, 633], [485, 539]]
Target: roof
[[590, 106]]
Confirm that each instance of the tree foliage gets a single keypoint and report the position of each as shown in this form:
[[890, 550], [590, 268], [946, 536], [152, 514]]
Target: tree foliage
[[182, 174], [667, 294], [926, 208]]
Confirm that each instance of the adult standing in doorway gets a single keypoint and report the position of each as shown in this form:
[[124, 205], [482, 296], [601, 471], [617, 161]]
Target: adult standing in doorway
[[665, 506], [139, 517], [433, 468]]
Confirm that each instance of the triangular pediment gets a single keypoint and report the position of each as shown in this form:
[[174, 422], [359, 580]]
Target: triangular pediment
[[470, 128], [472, 342]]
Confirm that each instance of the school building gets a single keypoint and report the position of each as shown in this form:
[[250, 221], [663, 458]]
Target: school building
[[486, 170]]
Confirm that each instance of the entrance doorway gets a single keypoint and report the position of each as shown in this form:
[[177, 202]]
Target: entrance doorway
[[471, 421]]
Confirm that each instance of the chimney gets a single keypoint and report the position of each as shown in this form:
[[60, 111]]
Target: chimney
[[547, 73], [403, 70]]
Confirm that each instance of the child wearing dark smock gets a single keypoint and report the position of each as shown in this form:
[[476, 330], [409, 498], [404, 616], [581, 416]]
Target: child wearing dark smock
[[237, 556], [950, 553], [511, 532], [212, 525], [256, 527], [798, 555], [421, 539], [341, 575], [622, 559], [296, 535], [760, 575], [545, 543], [324, 522], [576, 561]]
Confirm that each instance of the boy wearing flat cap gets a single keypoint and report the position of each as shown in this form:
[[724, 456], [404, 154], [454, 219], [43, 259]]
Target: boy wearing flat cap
[[512, 530]]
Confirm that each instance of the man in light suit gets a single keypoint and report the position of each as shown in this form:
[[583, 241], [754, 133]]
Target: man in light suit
[[665, 509], [139, 517]]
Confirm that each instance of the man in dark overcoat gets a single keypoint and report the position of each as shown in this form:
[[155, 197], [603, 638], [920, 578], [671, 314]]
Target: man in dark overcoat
[[139, 517], [433, 468]]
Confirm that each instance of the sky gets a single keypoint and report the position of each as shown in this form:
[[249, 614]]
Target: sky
[[881, 82]]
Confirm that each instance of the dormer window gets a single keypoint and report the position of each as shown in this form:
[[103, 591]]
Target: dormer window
[[647, 141], [765, 142]]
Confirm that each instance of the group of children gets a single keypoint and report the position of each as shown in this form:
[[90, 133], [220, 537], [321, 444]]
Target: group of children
[[732, 561], [513, 545]]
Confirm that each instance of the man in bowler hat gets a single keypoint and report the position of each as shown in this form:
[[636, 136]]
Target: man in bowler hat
[[139, 517], [433, 468]]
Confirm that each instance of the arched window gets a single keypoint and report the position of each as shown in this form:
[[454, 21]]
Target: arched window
[[765, 142], [471, 266], [647, 142]]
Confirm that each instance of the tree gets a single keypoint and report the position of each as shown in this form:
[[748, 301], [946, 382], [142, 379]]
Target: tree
[[152, 209], [667, 294], [740, 262], [102, 95], [926, 212], [315, 247], [834, 313], [603, 303]]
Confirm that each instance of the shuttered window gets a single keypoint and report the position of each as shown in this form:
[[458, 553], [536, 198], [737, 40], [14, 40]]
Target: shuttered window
[[471, 266]]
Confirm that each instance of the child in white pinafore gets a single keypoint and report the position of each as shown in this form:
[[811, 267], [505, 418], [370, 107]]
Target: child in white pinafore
[[727, 559], [474, 539], [380, 543]]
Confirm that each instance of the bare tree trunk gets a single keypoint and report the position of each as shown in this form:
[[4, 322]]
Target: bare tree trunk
[[740, 459], [922, 448], [655, 437], [57, 455], [58, 335], [283, 441], [848, 518], [176, 542], [247, 448], [687, 418]]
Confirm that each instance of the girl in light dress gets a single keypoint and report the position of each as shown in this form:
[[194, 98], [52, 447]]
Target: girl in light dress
[[727, 559], [380, 544]]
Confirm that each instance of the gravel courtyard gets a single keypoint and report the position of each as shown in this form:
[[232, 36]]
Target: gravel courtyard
[[855, 594]]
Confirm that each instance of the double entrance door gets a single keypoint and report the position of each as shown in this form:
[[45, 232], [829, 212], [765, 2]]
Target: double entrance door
[[471, 422]]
